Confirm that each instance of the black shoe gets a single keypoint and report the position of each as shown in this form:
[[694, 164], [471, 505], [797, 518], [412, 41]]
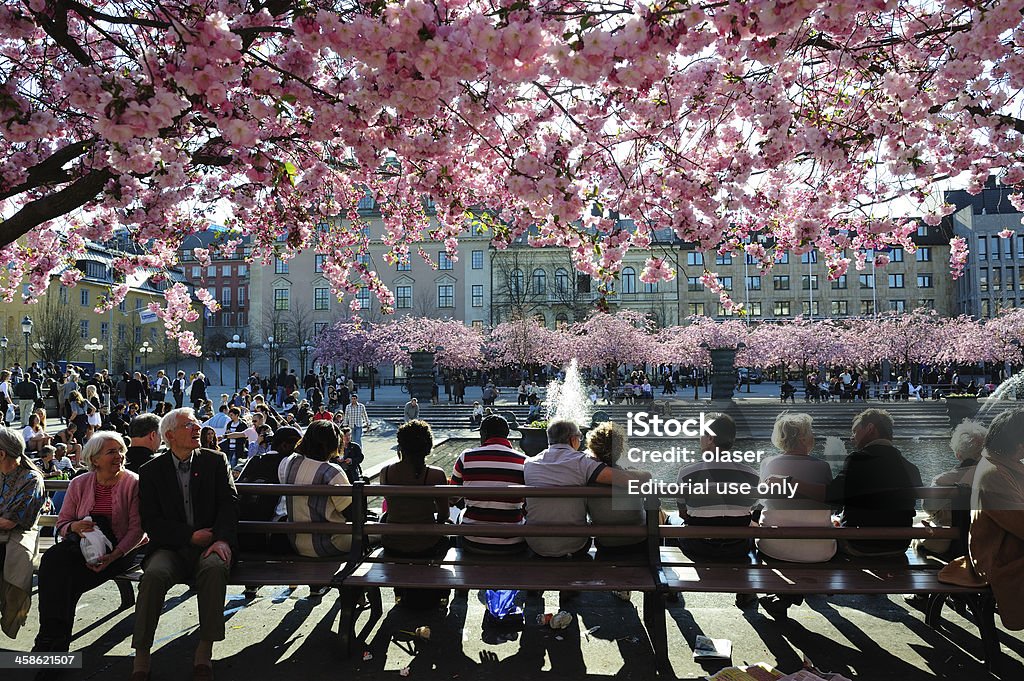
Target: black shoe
[[776, 606], [745, 600], [918, 601]]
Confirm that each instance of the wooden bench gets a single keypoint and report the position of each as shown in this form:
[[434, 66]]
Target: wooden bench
[[667, 569], [257, 569]]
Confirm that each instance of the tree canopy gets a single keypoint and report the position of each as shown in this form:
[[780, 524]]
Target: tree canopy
[[752, 126]]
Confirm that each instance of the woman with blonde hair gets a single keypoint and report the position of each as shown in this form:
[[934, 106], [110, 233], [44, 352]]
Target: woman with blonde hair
[[92, 396], [606, 443]]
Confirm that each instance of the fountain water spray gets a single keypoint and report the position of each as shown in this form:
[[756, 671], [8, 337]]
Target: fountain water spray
[[568, 399]]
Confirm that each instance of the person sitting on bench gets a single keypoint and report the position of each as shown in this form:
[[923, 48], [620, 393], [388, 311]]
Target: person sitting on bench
[[560, 465]]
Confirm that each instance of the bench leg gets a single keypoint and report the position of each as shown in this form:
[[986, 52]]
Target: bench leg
[[347, 623], [657, 633], [933, 610], [127, 591]]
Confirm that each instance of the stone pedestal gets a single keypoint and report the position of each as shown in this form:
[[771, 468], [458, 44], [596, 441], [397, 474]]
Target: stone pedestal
[[723, 377], [421, 377]]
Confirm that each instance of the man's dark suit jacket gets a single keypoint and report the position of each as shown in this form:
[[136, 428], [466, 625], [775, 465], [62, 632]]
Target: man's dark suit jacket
[[214, 500]]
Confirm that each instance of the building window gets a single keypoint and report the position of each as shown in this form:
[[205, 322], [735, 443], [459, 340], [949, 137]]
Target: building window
[[754, 283], [982, 248], [895, 281], [994, 251], [809, 282], [478, 295], [561, 281], [403, 297], [722, 312], [241, 297], [839, 283], [629, 280], [986, 308], [840, 308], [781, 308], [755, 309], [983, 280], [867, 307], [896, 255], [1010, 283], [84, 296], [924, 254], [1007, 248], [363, 258], [228, 319], [694, 259], [693, 284], [225, 271], [104, 330], [926, 302], [725, 259], [478, 260], [726, 283], [64, 295], [321, 299], [516, 282], [651, 287], [318, 263], [810, 257], [780, 282], [319, 328], [446, 295], [404, 266], [243, 270], [782, 259], [211, 272], [197, 272], [138, 335], [282, 298], [561, 321], [997, 279], [922, 229], [280, 266], [898, 305], [810, 307], [443, 261], [866, 280], [225, 297], [697, 309], [540, 279], [924, 281], [122, 333], [478, 324], [83, 328], [363, 297]]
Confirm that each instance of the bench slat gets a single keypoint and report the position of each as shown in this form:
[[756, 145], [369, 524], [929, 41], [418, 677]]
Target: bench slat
[[546, 576], [806, 581]]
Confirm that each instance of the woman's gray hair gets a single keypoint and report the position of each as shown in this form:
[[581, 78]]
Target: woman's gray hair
[[790, 429], [96, 444], [968, 439], [172, 418], [562, 431]]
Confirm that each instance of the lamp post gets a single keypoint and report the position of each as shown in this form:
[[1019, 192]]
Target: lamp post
[[26, 328], [304, 351], [93, 347], [217, 355], [145, 351], [270, 346], [236, 345], [3, 346]]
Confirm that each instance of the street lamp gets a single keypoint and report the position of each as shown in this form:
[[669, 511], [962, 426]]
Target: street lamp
[[93, 347], [145, 351], [304, 351], [26, 328], [3, 346], [237, 346], [270, 346]]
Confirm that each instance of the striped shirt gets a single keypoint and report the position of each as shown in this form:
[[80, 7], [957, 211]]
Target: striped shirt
[[298, 470], [103, 500], [495, 464]]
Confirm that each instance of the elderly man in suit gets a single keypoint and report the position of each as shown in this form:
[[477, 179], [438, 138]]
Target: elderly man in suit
[[189, 509]]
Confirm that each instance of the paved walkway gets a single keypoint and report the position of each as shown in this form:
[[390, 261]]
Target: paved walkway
[[287, 635]]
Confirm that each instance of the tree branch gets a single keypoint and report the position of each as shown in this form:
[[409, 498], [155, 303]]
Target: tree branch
[[51, 169], [53, 206]]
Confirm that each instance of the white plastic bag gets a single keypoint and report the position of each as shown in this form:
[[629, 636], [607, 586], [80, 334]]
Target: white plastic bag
[[94, 544]]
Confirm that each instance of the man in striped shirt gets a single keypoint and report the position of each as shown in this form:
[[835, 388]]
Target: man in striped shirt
[[356, 419], [493, 464]]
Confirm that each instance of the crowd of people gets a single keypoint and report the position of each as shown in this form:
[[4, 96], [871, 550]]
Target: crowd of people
[[167, 488]]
